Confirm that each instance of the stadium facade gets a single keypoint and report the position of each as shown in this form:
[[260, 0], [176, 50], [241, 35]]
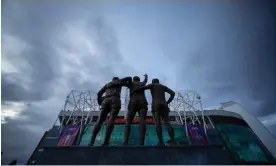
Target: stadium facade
[[226, 136]]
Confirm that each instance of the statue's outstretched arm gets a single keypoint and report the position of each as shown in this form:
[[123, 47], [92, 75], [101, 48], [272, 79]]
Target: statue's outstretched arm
[[145, 80], [149, 86]]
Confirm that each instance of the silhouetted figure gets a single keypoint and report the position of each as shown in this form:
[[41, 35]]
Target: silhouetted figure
[[110, 103], [137, 103], [160, 107]]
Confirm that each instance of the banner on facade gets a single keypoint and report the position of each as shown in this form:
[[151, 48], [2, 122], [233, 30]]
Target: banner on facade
[[69, 135], [197, 135]]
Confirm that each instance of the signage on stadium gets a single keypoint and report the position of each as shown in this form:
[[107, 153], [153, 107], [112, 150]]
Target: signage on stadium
[[136, 120]]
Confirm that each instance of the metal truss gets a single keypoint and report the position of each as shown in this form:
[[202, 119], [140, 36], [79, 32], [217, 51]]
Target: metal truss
[[81, 104], [187, 104]]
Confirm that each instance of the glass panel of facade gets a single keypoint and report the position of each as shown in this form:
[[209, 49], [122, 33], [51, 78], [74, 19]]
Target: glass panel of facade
[[242, 142], [85, 139], [180, 135], [134, 135], [214, 137], [117, 136], [151, 137]]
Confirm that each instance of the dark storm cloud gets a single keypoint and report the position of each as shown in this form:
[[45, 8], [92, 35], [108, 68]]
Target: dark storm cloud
[[237, 60], [40, 58], [46, 81], [14, 91], [108, 41], [38, 31]]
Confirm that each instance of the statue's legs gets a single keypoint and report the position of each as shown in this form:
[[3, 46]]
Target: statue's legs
[[115, 105], [141, 107], [142, 115], [165, 115], [130, 116], [156, 113], [103, 115]]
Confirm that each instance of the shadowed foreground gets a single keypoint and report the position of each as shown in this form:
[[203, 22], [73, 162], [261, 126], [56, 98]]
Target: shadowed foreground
[[147, 155]]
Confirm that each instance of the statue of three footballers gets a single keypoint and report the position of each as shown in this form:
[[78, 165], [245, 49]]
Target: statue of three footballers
[[111, 103]]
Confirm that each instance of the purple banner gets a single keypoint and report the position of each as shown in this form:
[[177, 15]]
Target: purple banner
[[69, 135], [197, 134]]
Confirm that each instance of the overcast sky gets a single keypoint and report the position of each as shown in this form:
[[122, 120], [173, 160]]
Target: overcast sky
[[223, 51]]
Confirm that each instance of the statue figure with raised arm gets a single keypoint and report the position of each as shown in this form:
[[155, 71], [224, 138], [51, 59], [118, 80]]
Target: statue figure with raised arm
[[137, 103], [160, 107], [110, 103]]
